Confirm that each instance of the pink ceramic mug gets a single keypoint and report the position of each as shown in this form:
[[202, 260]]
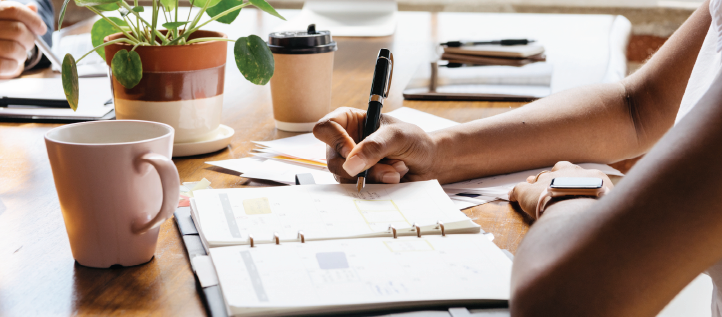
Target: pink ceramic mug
[[116, 185]]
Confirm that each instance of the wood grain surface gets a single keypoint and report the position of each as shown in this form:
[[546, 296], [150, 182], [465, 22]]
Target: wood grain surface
[[38, 275]]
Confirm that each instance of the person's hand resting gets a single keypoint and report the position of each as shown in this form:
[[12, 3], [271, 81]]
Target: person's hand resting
[[18, 26], [527, 193], [397, 151]]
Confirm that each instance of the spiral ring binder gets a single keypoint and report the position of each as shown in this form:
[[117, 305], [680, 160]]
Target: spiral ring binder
[[250, 240], [441, 225], [393, 230], [418, 229], [276, 238], [302, 236]]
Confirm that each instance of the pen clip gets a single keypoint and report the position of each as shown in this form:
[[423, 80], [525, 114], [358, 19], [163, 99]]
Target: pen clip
[[391, 76]]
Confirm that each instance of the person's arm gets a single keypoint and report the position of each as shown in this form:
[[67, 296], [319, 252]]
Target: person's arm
[[601, 123], [632, 251]]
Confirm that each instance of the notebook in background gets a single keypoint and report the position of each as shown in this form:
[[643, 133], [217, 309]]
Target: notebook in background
[[43, 98], [437, 81]]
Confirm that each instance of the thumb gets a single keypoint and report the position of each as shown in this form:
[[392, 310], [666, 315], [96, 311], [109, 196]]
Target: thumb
[[33, 7], [371, 150]]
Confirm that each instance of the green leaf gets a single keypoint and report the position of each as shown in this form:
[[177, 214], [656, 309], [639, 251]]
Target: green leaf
[[174, 25], [107, 7], [168, 4], [138, 9], [201, 3], [103, 28], [61, 17], [127, 68], [70, 81], [93, 3], [223, 6], [263, 5], [254, 59]]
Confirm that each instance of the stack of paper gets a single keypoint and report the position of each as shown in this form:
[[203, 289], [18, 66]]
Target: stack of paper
[[280, 161]]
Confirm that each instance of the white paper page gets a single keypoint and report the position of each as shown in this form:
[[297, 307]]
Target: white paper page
[[506, 182], [283, 172], [321, 275], [94, 93], [243, 165], [228, 216], [426, 121]]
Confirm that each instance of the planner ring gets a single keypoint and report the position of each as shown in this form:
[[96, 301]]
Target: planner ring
[[393, 230], [441, 225], [301, 236], [418, 229], [250, 240], [275, 237]]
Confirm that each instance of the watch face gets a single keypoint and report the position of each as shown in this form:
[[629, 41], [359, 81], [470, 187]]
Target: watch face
[[577, 182]]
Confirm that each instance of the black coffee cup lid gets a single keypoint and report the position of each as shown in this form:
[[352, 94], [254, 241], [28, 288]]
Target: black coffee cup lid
[[301, 42]]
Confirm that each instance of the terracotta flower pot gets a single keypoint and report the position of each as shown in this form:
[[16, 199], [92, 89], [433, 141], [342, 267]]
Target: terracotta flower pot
[[182, 86]]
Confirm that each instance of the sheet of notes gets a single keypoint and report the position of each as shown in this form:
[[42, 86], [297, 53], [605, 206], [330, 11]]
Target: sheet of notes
[[228, 216], [357, 271]]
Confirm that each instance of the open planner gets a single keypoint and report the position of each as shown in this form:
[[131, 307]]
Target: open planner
[[327, 249]]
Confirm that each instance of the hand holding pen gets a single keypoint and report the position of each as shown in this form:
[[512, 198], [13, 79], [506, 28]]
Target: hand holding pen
[[396, 151]]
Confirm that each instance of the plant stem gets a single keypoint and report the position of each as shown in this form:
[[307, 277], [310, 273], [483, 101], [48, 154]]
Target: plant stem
[[113, 23], [155, 21], [108, 43], [125, 5], [177, 3], [134, 28], [220, 15], [197, 18], [190, 9], [207, 39]]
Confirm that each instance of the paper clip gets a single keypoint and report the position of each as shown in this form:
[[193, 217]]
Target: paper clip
[[441, 225], [275, 237], [418, 229], [301, 236], [393, 229], [250, 240]]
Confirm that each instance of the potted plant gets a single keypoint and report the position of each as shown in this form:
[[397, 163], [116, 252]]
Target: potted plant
[[173, 75]]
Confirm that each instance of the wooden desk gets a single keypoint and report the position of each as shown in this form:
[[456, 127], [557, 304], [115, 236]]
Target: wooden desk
[[38, 275]]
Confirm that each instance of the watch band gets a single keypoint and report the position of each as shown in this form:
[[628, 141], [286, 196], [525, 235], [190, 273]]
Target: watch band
[[547, 195]]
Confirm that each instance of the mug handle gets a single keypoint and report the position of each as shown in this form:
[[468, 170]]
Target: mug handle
[[170, 181]]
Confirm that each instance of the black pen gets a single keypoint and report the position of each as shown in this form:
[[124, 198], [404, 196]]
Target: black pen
[[498, 42], [379, 91]]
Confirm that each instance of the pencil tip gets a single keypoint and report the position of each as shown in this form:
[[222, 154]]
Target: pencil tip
[[360, 183]]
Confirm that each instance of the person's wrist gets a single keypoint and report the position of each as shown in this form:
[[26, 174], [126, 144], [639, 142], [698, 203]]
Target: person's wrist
[[440, 158]]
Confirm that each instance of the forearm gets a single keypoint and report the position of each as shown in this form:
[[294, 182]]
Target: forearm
[[586, 124], [635, 249]]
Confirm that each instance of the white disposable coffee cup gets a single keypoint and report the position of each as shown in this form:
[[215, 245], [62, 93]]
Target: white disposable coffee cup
[[302, 78]]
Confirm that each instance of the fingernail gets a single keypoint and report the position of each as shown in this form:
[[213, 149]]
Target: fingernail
[[391, 178], [400, 167], [354, 165]]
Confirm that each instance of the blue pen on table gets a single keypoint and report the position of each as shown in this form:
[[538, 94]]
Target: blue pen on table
[[379, 91]]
